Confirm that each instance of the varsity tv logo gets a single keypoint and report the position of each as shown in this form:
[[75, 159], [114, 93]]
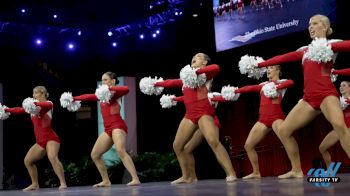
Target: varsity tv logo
[[324, 178]]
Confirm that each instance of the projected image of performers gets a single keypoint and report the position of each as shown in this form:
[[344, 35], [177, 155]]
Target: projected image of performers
[[241, 22]]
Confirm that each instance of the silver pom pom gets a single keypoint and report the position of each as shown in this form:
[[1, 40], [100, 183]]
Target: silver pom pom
[[201, 79], [270, 90], [333, 76], [212, 95], [29, 106], [319, 50], [343, 103], [167, 101], [189, 77], [74, 106], [147, 86], [249, 65], [103, 93], [66, 99], [68, 102], [228, 93], [3, 114]]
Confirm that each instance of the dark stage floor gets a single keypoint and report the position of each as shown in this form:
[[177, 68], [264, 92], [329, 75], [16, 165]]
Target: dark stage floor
[[265, 186]]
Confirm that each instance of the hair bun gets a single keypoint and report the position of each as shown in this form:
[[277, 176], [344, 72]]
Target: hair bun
[[329, 31]]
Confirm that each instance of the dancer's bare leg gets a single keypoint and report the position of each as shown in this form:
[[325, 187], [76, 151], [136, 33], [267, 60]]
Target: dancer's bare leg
[[301, 114], [330, 107], [52, 149], [211, 134], [330, 140], [35, 153], [258, 132], [196, 139], [183, 135], [119, 139], [102, 145]]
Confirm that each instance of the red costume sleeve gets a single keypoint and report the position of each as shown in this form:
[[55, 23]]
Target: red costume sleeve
[[344, 72], [285, 84], [119, 90], [343, 46], [179, 99], [219, 99], [47, 105], [171, 83], [15, 110], [284, 58], [86, 97], [249, 89], [210, 71]]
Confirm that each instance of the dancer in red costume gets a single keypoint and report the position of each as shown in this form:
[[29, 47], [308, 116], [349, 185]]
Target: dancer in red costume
[[320, 95], [115, 128], [47, 142], [199, 114], [270, 113], [332, 137], [197, 137], [240, 7], [253, 4]]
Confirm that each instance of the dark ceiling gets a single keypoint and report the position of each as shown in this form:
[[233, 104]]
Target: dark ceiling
[[53, 64], [73, 13], [178, 40]]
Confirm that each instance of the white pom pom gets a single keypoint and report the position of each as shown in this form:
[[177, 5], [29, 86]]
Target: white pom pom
[[201, 79], [319, 50], [3, 114], [249, 65], [29, 106], [167, 101], [333, 76], [228, 93], [147, 86], [245, 63], [189, 77], [66, 99], [343, 103], [103, 93], [270, 90], [212, 95], [74, 106], [68, 102]]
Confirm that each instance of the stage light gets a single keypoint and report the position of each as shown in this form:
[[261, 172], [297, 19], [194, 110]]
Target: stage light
[[114, 44], [79, 33], [176, 13], [154, 35], [23, 11], [38, 42], [110, 33], [55, 16], [158, 31], [142, 36], [70, 46]]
